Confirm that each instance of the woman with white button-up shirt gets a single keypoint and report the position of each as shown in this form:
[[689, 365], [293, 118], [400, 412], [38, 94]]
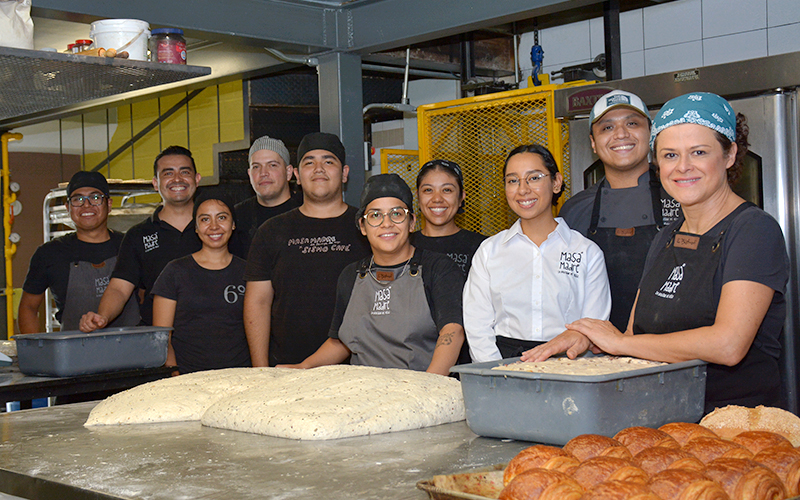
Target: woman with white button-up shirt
[[528, 281]]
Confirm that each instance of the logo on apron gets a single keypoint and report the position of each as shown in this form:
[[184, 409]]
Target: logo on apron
[[668, 289], [381, 304]]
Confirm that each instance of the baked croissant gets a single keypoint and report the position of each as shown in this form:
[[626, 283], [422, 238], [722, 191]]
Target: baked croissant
[[708, 449], [587, 446], [744, 479], [619, 490], [531, 458], [654, 460], [785, 462], [684, 484], [683, 432], [599, 469], [637, 439], [542, 484], [756, 441]]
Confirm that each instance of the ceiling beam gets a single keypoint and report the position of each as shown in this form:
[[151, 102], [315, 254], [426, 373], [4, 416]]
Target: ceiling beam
[[307, 27], [397, 23]]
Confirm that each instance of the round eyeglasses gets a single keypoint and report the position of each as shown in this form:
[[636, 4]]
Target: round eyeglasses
[[94, 199], [513, 181], [397, 215]]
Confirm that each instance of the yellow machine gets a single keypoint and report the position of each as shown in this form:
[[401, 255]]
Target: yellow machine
[[477, 133]]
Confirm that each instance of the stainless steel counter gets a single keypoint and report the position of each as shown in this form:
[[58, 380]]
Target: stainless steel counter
[[47, 452]]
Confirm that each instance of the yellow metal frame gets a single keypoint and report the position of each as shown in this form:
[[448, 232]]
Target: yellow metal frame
[[9, 248], [405, 163], [511, 118]]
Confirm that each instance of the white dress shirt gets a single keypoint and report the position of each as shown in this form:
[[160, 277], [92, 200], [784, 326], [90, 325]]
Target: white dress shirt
[[519, 290]]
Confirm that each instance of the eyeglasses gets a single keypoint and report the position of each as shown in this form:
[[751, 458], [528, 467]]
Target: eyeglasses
[[512, 181], [94, 199], [375, 217]]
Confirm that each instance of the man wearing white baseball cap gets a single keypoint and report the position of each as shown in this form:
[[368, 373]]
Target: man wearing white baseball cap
[[623, 211]]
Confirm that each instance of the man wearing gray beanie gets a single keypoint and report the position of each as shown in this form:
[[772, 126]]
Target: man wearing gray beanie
[[295, 260], [270, 171]]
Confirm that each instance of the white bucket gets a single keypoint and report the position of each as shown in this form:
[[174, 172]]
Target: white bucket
[[115, 33]]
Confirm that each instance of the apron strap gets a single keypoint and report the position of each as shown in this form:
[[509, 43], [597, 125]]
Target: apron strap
[[596, 207], [363, 268]]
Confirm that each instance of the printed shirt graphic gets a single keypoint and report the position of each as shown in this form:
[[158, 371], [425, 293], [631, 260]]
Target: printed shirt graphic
[[150, 242]]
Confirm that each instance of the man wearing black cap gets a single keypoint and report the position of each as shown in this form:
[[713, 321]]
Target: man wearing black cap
[[295, 260], [149, 245], [76, 267]]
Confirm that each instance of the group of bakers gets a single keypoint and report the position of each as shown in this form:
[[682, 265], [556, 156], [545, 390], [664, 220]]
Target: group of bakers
[[681, 266]]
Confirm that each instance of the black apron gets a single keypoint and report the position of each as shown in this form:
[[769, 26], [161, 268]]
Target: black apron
[[85, 288], [389, 324], [513, 348], [678, 294], [625, 251]]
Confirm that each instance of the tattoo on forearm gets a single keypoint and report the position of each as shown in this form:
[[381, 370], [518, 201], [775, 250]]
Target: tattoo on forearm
[[445, 338]]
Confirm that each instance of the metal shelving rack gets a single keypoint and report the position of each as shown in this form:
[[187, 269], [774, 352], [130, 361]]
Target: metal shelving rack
[[37, 85]]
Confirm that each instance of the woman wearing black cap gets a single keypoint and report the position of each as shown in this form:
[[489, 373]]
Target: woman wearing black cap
[[202, 295], [395, 309]]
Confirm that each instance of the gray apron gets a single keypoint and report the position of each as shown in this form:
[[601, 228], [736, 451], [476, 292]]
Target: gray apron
[[389, 324], [85, 287]]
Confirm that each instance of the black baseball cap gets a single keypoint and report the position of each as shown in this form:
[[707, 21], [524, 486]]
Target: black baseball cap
[[88, 179], [324, 141]]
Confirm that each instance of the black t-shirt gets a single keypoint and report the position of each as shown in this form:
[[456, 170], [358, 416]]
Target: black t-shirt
[[146, 249], [441, 281], [303, 257], [50, 264], [250, 215], [460, 247], [209, 320]]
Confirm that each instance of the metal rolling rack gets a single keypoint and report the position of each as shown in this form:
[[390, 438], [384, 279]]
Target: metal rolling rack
[[125, 213]]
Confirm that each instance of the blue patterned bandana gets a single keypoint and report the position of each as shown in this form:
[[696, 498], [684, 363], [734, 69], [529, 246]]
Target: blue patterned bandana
[[700, 108]]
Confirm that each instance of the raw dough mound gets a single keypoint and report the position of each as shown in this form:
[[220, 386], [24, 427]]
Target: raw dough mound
[[177, 399], [322, 403], [341, 401]]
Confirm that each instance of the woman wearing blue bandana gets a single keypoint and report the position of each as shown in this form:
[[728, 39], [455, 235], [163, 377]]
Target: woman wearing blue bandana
[[714, 282]]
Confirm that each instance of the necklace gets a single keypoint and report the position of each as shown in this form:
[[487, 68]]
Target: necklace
[[371, 271]]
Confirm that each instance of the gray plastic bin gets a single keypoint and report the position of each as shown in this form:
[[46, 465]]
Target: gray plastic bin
[[67, 354], [550, 408]]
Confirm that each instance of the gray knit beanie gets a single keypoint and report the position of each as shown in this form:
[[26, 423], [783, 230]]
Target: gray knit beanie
[[270, 144]]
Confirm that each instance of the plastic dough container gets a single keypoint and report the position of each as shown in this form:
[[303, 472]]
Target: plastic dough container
[[552, 408], [71, 353]]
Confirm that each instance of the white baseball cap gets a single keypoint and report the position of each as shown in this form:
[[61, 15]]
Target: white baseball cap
[[615, 99]]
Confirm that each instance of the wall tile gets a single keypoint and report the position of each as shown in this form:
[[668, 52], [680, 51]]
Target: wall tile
[[565, 44], [672, 22], [724, 17], [673, 57], [633, 64], [738, 47], [781, 12], [631, 31], [783, 39]]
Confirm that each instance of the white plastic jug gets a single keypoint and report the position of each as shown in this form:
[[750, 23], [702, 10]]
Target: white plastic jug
[[116, 33]]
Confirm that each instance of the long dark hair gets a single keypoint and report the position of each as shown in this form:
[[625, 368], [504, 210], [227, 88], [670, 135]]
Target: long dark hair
[[547, 158]]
